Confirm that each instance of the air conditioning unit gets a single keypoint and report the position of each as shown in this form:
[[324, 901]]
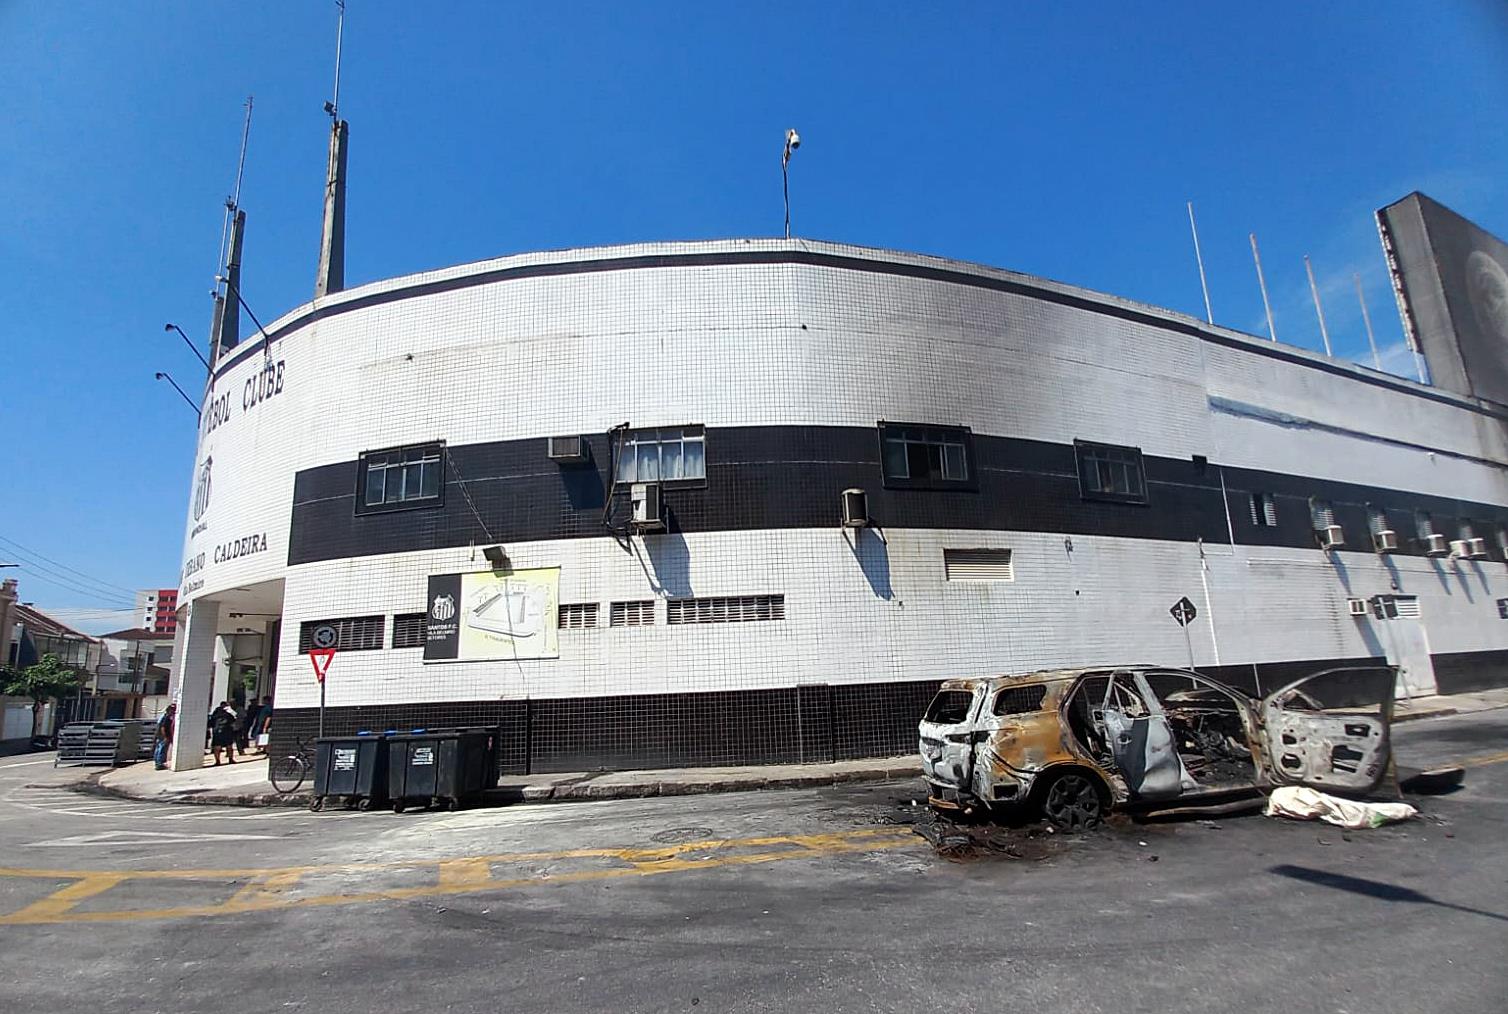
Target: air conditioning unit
[[1434, 545], [1330, 536], [855, 508], [567, 450], [1356, 607], [1386, 541], [1476, 549], [1460, 548], [649, 512]]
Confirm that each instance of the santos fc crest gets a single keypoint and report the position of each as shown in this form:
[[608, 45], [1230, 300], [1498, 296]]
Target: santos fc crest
[[201, 489]]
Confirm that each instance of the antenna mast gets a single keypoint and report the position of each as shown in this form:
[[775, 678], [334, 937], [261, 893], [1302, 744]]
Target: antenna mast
[[331, 274], [225, 323], [340, 29], [234, 200]]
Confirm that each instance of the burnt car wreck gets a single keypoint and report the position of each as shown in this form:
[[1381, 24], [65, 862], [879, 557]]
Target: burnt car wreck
[[1076, 743]]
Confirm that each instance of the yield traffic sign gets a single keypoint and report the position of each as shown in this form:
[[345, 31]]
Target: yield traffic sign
[[320, 659]]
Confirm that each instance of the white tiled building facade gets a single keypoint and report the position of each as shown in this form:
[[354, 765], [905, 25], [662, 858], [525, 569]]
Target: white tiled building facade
[[795, 359]]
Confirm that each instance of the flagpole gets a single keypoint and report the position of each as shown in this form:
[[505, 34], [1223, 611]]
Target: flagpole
[[1209, 314], [1318, 312], [1272, 332], [1367, 320], [792, 142]]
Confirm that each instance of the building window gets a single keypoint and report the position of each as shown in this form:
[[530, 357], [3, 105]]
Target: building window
[[977, 565], [1468, 531], [578, 615], [409, 630], [926, 457], [1503, 541], [1393, 607], [358, 633], [1377, 520], [663, 455], [1264, 510], [725, 609], [400, 477], [1424, 524], [640, 613], [1321, 514], [1110, 472]]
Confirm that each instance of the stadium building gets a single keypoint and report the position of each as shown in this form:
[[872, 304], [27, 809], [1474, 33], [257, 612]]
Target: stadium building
[[748, 501]]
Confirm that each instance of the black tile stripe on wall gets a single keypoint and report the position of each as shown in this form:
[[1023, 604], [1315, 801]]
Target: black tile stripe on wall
[[794, 725], [791, 476]]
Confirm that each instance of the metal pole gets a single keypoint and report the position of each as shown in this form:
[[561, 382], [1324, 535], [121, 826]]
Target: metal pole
[[186, 398], [1366, 319], [785, 186], [1318, 311], [192, 347], [322, 705], [1272, 332], [1209, 314], [1188, 643], [340, 31]]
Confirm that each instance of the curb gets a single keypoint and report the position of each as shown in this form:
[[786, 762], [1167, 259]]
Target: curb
[[1431, 713], [516, 793]]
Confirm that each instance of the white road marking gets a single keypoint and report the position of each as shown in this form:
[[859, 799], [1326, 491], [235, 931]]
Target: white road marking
[[23, 764], [141, 838]]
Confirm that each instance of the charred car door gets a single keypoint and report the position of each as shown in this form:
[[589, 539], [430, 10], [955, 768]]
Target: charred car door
[[1331, 730], [1140, 740], [947, 737]]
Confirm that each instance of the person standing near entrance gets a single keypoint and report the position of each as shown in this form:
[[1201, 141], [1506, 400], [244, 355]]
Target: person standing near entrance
[[261, 719], [163, 741], [223, 732]]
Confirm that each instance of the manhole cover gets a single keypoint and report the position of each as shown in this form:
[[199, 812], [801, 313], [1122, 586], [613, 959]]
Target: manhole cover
[[678, 835]]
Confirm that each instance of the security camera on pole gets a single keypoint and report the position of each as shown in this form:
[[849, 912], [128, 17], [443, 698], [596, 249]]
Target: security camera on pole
[[792, 142]]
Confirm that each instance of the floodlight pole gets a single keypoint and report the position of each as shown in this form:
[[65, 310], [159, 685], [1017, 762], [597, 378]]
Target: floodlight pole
[[785, 186]]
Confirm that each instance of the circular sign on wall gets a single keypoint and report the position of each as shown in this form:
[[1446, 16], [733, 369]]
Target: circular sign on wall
[[324, 636]]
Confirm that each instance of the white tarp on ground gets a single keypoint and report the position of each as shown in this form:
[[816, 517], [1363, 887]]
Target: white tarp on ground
[[1310, 804]]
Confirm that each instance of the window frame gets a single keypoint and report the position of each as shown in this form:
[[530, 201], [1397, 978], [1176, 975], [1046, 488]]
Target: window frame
[[625, 440], [587, 611], [1264, 509], [364, 462], [618, 613], [965, 439], [423, 618], [344, 625], [1082, 460], [1321, 509]]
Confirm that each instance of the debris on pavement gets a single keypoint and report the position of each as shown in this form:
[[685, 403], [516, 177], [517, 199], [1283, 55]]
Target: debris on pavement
[[1434, 782], [1300, 803]]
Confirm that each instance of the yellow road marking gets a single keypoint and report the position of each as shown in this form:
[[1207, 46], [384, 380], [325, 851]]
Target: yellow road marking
[[271, 888], [268, 887], [1481, 760], [55, 907], [463, 873]]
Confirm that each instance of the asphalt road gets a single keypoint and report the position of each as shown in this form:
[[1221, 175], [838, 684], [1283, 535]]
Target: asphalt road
[[771, 901]]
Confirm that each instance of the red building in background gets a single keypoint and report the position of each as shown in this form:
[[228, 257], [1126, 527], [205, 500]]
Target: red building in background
[[158, 610]]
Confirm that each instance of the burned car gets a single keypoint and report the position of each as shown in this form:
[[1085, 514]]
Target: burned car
[[1075, 743]]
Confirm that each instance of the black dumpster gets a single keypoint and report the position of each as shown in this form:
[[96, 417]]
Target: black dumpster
[[450, 766], [352, 768]]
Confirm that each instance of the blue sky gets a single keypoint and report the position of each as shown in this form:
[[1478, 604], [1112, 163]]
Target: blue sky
[[1060, 141]]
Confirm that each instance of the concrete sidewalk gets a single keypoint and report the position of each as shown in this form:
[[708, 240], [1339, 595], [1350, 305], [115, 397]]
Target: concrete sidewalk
[[245, 783], [1436, 705]]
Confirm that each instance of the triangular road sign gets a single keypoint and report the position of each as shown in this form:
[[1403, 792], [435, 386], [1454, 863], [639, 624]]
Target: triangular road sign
[[320, 659]]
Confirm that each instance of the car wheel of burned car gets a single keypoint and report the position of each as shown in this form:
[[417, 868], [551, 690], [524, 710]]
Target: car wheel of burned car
[[1073, 802]]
